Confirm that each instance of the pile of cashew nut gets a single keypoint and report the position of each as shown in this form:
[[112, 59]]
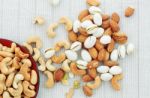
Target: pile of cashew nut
[[17, 78]]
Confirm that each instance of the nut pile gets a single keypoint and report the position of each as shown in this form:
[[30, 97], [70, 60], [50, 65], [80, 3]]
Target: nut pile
[[17, 78]]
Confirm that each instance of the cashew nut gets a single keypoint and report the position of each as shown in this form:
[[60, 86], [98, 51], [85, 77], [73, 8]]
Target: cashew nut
[[75, 70], [6, 95], [2, 83], [10, 78], [16, 92], [39, 20], [15, 62], [34, 77], [61, 44], [24, 70], [36, 54], [4, 66], [70, 93], [17, 79], [50, 32], [29, 47], [6, 54], [20, 54], [27, 91], [12, 49], [96, 84], [59, 59], [65, 65], [35, 40], [68, 23], [42, 66], [49, 65], [26, 62], [50, 82], [114, 81]]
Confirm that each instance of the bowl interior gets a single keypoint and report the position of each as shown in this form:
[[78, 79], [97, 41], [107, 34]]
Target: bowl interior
[[8, 43]]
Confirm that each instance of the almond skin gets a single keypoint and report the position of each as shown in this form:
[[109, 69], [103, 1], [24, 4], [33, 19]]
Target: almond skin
[[93, 2], [106, 56], [111, 46], [106, 24], [114, 26], [108, 31], [83, 31], [87, 91], [58, 75], [110, 63], [129, 11], [120, 38], [93, 64], [115, 17], [93, 52], [87, 78], [92, 72], [83, 14], [81, 38], [72, 36], [101, 54], [105, 17], [98, 45]]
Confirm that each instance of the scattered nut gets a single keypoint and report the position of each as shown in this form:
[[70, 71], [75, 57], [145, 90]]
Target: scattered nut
[[114, 81], [129, 11], [39, 20]]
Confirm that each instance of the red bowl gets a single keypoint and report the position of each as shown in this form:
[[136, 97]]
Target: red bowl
[[8, 43]]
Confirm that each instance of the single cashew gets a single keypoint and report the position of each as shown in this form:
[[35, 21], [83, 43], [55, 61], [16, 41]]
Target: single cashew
[[12, 49], [50, 82], [49, 65], [65, 65], [96, 83], [24, 70], [16, 92], [70, 93], [50, 32], [34, 77], [68, 23], [10, 78], [4, 66], [32, 87], [36, 54], [6, 54], [2, 83], [75, 70], [59, 59], [17, 79], [20, 54], [6, 95], [26, 62], [15, 62], [29, 47], [114, 81], [27, 91], [35, 40], [42, 66], [61, 44]]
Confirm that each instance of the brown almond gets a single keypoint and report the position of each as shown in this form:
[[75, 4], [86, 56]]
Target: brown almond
[[58, 75], [83, 31], [72, 36], [87, 91], [129, 11], [114, 26], [108, 31], [81, 38], [89, 17], [106, 56], [110, 63], [83, 14], [98, 45], [93, 2], [119, 37], [93, 52], [87, 78], [101, 54], [93, 64], [105, 17], [106, 24], [115, 17], [92, 72], [111, 46]]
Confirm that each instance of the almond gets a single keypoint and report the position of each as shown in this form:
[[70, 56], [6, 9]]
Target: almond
[[93, 52], [89, 17], [93, 64], [114, 26], [92, 72], [93, 2], [108, 31], [83, 14], [110, 63], [72, 36], [115, 17], [87, 78], [98, 45], [105, 17], [81, 38], [106, 56], [129, 11], [111, 46], [120, 38], [83, 31], [87, 91], [58, 75], [101, 54], [106, 24]]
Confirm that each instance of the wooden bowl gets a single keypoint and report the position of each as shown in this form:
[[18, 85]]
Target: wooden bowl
[[8, 43]]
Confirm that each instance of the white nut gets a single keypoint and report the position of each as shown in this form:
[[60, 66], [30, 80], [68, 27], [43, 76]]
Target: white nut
[[42, 66], [105, 39], [115, 70], [106, 76], [17, 79], [71, 55], [99, 32], [90, 42], [102, 69], [130, 48], [49, 65], [49, 53], [86, 55], [82, 64], [122, 51], [76, 26], [65, 65], [94, 10], [86, 24], [97, 18], [114, 55], [76, 46]]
